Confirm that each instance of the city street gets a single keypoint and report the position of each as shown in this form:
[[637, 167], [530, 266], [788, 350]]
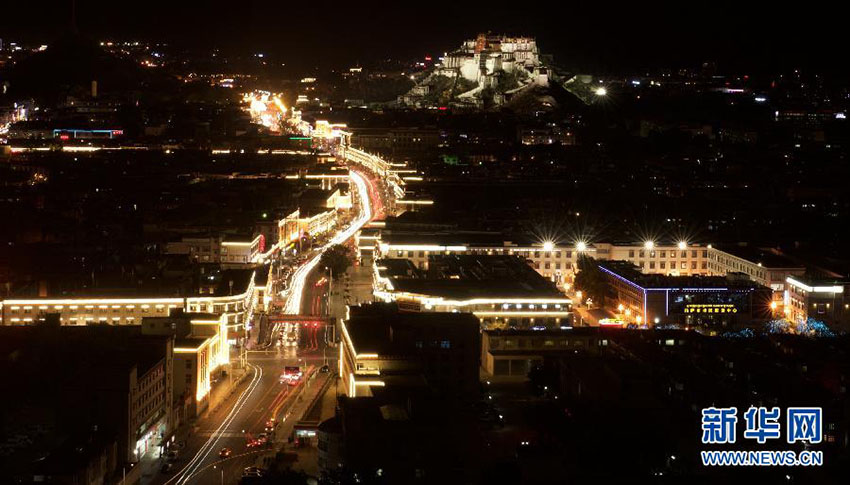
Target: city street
[[262, 395]]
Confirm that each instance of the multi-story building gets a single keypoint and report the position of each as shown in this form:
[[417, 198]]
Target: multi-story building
[[110, 378], [502, 291], [223, 249], [233, 293], [764, 266], [711, 301], [553, 261], [513, 352], [201, 348], [382, 345], [822, 299]]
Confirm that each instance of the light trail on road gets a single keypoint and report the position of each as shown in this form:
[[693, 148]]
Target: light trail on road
[[293, 302], [191, 468]]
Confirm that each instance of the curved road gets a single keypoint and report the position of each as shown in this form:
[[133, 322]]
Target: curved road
[[261, 395]]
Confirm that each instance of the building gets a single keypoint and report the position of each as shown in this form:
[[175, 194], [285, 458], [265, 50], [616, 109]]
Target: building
[[382, 346], [306, 222], [554, 261], [223, 249], [72, 380], [513, 352], [710, 301], [233, 293], [820, 299], [395, 139], [764, 266], [502, 291], [201, 350]]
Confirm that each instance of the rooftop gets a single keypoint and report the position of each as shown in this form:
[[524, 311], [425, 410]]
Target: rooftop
[[471, 276], [766, 257], [631, 273], [376, 327]]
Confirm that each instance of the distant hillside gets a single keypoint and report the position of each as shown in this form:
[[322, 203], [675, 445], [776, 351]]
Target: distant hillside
[[67, 67]]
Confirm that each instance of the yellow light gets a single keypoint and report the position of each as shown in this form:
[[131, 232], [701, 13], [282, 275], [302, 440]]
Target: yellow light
[[620, 307], [649, 244], [773, 305], [548, 246], [638, 319], [581, 246], [628, 312], [600, 91], [683, 245]]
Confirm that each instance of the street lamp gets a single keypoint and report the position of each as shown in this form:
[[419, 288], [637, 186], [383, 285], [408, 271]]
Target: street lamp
[[548, 246], [600, 91], [620, 308], [649, 244], [683, 245], [581, 246]]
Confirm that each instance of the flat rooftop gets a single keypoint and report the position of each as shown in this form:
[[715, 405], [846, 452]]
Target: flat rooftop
[[468, 276], [630, 272], [766, 257], [372, 327]]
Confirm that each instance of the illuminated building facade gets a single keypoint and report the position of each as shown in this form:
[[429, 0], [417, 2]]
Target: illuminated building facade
[[713, 301], [765, 267], [821, 299], [501, 291], [235, 301], [201, 348], [556, 262]]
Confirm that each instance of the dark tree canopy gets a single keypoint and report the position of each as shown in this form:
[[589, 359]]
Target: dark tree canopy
[[337, 259]]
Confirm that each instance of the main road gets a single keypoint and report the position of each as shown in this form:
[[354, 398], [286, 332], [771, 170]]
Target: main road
[[261, 395]]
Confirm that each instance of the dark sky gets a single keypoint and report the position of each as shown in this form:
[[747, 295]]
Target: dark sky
[[591, 35]]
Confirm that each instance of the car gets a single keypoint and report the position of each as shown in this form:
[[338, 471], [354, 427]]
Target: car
[[172, 455], [225, 452], [252, 471], [325, 369], [166, 467]]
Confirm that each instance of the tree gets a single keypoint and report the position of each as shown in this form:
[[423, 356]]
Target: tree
[[590, 280], [337, 259]]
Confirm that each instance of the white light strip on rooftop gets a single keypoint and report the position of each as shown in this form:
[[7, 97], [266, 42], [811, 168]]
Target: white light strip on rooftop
[[473, 301], [815, 289], [424, 247]]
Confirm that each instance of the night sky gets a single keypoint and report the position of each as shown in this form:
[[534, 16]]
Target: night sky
[[597, 36]]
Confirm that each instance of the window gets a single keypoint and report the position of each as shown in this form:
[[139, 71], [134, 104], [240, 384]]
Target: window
[[694, 253], [684, 254], [446, 344], [631, 253], [684, 265], [641, 253], [704, 254], [664, 265], [694, 264], [663, 254], [652, 265]]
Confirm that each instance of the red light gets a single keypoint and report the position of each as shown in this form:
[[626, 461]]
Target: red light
[[427, 58], [64, 137], [442, 108]]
